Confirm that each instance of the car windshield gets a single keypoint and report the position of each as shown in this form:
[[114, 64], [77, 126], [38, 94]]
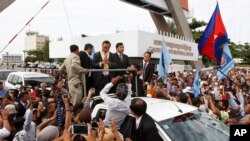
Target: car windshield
[[195, 126], [4, 75], [34, 81]]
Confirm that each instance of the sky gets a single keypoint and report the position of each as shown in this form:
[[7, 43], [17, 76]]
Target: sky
[[94, 17]]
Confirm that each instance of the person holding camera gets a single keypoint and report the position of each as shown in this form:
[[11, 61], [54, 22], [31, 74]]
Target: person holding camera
[[118, 107]]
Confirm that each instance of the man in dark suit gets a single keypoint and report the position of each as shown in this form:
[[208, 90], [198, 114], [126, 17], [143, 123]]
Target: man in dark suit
[[86, 62], [145, 126], [121, 59], [22, 104], [103, 60], [145, 73]]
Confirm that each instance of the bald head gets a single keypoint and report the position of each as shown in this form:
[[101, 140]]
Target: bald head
[[138, 107]]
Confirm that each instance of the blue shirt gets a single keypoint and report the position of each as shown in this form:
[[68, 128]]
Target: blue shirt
[[3, 92]]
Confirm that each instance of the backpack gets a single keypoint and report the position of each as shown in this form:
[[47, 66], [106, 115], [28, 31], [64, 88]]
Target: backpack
[[21, 136]]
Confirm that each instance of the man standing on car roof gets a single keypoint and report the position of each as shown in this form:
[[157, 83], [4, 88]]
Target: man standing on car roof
[[74, 70]]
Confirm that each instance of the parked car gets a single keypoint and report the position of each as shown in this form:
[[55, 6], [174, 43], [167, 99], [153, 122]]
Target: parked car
[[4, 74], [29, 79], [177, 121]]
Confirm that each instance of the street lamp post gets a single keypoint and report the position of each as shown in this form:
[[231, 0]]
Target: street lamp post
[[24, 51], [7, 61]]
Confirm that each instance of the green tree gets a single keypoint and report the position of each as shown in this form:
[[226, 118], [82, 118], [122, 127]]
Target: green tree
[[45, 50], [35, 55]]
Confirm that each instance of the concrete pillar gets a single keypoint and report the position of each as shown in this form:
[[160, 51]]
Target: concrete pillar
[[5, 3], [179, 18], [160, 22]]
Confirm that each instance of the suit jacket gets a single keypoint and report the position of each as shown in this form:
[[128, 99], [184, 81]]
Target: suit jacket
[[96, 64], [20, 110], [85, 60], [149, 71], [72, 66], [124, 64], [147, 130]]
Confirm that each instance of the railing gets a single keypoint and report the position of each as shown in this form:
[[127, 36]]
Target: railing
[[110, 70]]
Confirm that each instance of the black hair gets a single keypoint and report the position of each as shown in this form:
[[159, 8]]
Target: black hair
[[225, 103], [106, 42], [148, 53], [22, 94], [183, 98], [18, 122], [79, 138], [73, 48], [87, 46], [138, 106], [77, 108], [118, 44]]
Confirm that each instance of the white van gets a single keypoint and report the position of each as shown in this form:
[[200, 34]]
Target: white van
[[29, 79]]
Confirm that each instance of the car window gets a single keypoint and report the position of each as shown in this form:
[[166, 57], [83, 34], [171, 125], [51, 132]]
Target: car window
[[36, 81], [10, 78], [14, 79], [195, 126], [19, 80]]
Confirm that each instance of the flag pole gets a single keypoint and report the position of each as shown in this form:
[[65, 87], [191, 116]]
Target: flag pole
[[219, 69]]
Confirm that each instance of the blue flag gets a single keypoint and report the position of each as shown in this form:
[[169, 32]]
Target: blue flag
[[196, 83], [227, 63], [165, 61]]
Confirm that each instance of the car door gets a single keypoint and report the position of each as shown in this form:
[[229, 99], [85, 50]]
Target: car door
[[8, 83]]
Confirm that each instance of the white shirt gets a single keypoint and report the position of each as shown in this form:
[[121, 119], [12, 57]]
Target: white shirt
[[87, 53], [137, 122], [29, 126], [4, 133], [117, 109], [143, 62]]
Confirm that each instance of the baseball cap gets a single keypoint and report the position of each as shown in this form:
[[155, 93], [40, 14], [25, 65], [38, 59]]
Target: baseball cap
[[11, 108]]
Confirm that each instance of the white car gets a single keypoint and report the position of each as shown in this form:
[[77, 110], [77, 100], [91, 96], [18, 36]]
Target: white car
[[29, 79], [180, 122], [4, 74]]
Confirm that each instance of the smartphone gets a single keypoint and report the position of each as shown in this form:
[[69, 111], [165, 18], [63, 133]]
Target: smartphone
[[94, 125], [79, 129]]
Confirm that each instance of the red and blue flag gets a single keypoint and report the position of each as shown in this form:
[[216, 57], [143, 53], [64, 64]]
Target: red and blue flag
[[214, 37]]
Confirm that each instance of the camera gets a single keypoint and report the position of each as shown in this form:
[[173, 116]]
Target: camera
[[65, 95], [79, 129], [94, 123]]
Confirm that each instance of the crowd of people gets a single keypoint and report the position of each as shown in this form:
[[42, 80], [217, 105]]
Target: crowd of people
[[39, 114]]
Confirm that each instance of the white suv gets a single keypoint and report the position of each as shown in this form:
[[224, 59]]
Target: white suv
[[177, 121], [29, 79]]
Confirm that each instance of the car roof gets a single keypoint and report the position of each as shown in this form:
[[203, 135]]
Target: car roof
[[6, 70], [161, 109], [30, 74]]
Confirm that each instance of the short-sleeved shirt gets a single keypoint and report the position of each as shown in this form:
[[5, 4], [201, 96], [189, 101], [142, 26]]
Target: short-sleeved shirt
[[3, 92]]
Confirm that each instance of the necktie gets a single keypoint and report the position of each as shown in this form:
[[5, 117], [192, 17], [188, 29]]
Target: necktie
[[121, 57], [106, 66], [144, 67]]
